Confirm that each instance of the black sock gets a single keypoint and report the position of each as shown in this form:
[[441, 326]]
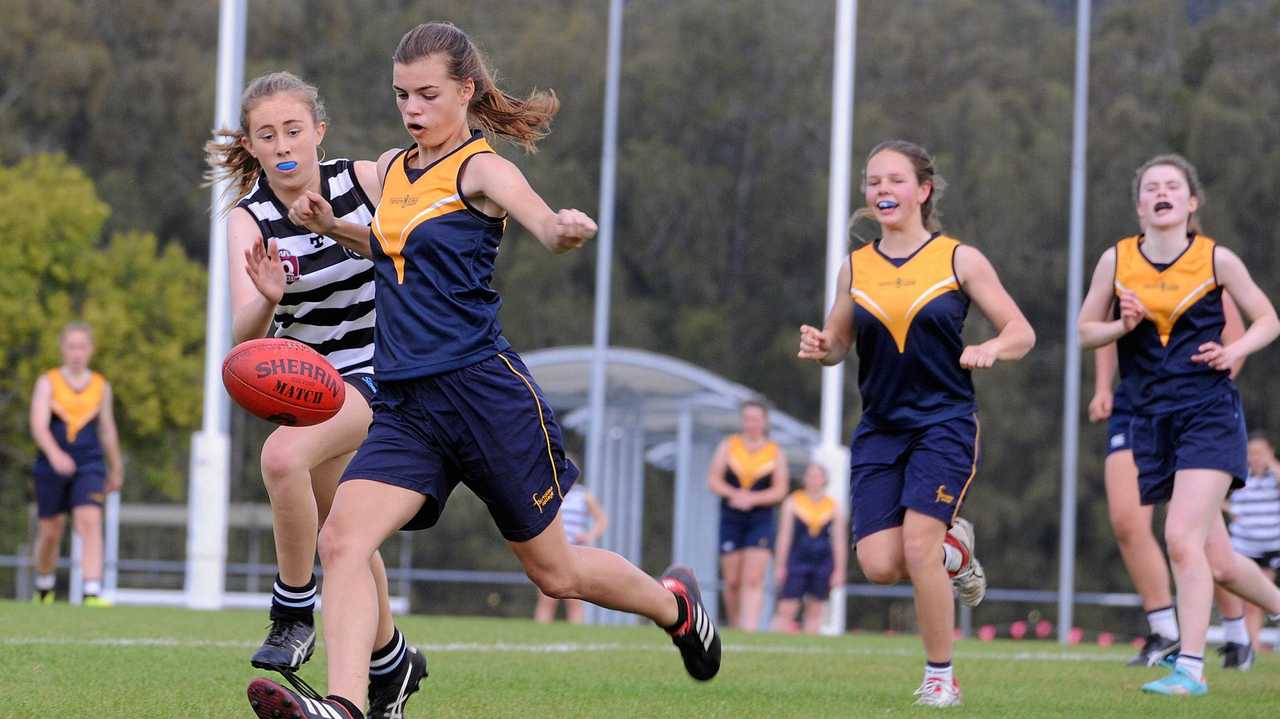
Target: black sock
[[346, 704], [297, 604], [682, 613], [384, 662]]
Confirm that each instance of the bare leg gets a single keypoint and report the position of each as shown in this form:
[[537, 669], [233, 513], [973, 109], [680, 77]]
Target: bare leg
[[813, 609], [88, 526], [544, 612], [1197, 499], [755, 562], [880, 556], [730, 585], [324, 481], [289, 457], [599, 576], [1254, 617], [48, 538], [1236, 572], [575, 611], [784, 615], [1229, 605], [1131, 522], [364, 514], [922, 538]]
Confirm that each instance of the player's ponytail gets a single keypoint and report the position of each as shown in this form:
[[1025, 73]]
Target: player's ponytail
[[522, 121], [226, 154]]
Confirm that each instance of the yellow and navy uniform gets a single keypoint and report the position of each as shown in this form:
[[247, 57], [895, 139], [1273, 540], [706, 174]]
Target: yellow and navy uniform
[[752, 470], [811, 541], [1186, 415], [454, 403], [433, 255], [811, 560], [73, 422], [909, 318], [917, 444], [1184, 310], [74, 415]]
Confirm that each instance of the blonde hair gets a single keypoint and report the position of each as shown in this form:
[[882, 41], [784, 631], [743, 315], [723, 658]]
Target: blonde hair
[[226, 154], [922, 162], [524, 122], [1188, 170]]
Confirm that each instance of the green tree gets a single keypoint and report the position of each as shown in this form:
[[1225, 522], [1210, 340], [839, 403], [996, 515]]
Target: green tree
[[146, 307]]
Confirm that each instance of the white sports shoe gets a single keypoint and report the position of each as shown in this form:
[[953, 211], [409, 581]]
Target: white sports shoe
[[938, 693], [970, 581]]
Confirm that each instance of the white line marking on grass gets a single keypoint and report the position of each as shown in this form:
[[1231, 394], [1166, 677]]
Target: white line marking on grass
[[576, 647]]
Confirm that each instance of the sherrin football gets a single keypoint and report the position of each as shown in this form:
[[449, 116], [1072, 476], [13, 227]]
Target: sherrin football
[[283, 381]]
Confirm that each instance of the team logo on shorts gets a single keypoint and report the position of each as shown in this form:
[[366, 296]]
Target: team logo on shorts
[[544, 500], [98, 497], [1117, 440], [942, 495]]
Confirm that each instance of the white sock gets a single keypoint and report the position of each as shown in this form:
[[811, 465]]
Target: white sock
[[938, 671], [1164, 622], [952, 558], [45, 582], [93, 586], [1234, 630], [1192, 665]]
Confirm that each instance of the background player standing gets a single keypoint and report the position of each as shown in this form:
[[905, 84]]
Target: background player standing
[[812, 552], [749, 474], [74, 430]]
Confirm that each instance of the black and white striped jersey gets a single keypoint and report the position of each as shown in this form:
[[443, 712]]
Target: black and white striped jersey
[[1255, 512], [328, 295]]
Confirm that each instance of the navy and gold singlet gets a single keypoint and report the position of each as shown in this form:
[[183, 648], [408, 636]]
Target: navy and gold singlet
[[73, 420], [750, 469], [434, 255], [1184, 310], [909, 317], [811, 541]]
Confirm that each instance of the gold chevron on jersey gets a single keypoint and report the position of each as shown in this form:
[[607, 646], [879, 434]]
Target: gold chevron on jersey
[[1166, 294], [750, 466], [406, 203], [895, 295], [76, 407], [815, 513]]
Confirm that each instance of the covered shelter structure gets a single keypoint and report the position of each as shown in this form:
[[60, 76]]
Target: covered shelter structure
[[668, 413]]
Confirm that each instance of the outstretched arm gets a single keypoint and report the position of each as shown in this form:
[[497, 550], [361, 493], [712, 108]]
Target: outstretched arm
[[496, 178]]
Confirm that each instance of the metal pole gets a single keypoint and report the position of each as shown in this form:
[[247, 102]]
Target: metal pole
[[1075, 281], [604, 246], [211, 446], [837, 243]]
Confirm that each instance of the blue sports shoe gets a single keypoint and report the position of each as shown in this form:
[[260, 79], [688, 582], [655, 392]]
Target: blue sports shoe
[[1178, 683]]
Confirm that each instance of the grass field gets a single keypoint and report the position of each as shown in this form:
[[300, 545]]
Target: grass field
[[144, 663]]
